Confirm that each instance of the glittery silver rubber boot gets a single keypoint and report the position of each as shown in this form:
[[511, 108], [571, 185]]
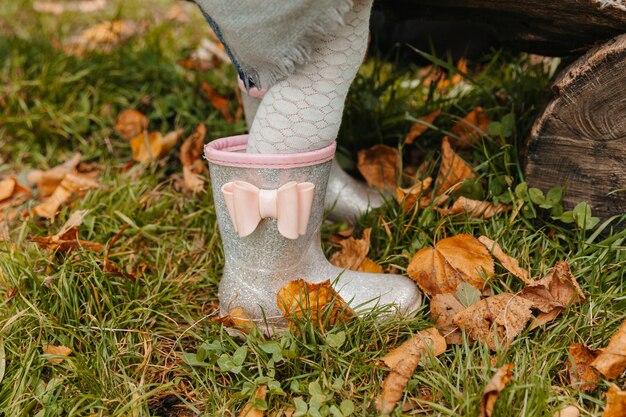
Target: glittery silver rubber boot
[[346, 197], [269, 211]]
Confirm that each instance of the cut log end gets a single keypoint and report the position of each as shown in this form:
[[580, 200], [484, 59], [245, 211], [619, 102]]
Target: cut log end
[[579, 139]]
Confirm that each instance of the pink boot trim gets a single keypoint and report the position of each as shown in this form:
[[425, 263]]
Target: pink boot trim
[[230, 152]]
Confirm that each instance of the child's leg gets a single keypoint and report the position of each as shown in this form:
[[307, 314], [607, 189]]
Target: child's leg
[[303, 112]]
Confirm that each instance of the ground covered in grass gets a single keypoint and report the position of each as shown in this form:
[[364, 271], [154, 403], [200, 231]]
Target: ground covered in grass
[[143, 339]]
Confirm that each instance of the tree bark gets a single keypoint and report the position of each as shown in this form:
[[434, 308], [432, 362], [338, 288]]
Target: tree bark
[[546, 27], [579, 138]]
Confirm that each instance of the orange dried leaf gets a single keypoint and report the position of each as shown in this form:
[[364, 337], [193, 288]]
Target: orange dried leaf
[[66, 240], [418, 128], [197, 64], [380, 166], [569, 411], [393, 386], [470, 128], [443, 309], [462, 258], [495, 320], [370, 266], [453, 170], [7, 187], [556, 290], [249, 410], [191, 149], [353, 252], [611, 362], [218, 101], [48, 181], [151, 146], [237, 318], [402, 362], [414, 194], [615, 402], [192, 181], [581, 374], [474, 208], [190, 153], [509, 263], [12, 193], [103, 36], [131, 123], [426, 340], [544, 318], [492, 391], [56, 8], [300, 299], [58, 353], [461, 66], [49, 208]]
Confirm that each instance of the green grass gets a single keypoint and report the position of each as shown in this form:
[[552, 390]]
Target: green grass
[[135, 342]]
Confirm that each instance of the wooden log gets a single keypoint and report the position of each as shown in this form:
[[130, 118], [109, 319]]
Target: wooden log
[[546, 27], [579, 138]]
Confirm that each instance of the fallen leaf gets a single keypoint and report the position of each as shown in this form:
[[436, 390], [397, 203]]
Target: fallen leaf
[[370, 266], [474, 208], [66, 240], [72, 184], [131, 123], [440, 269], [495, 320], [57, 8], [467, 294], [414, 194], [611, 362], [467, 130], [7, 188], [12, 193], [48, 181], [418, 128], [453, 170], [103, 37], [177, 14], [218, 101], [211, 50], [581, 374], [380, 166], [443, 309], [509, 263], [402, 362], [249, 410], [544, 318], [556, 290], [151, 146], [192, 147], [492, 391], [196, 64], [438, 75], [615, 402], [190, 157], [237, 318], [430, 338], [61, 351], [569, 411], [353, 251], [300, 299], [461, 66]]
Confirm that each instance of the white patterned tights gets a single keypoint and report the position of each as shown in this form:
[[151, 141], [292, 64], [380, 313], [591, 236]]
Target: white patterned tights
[[303, 112]]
